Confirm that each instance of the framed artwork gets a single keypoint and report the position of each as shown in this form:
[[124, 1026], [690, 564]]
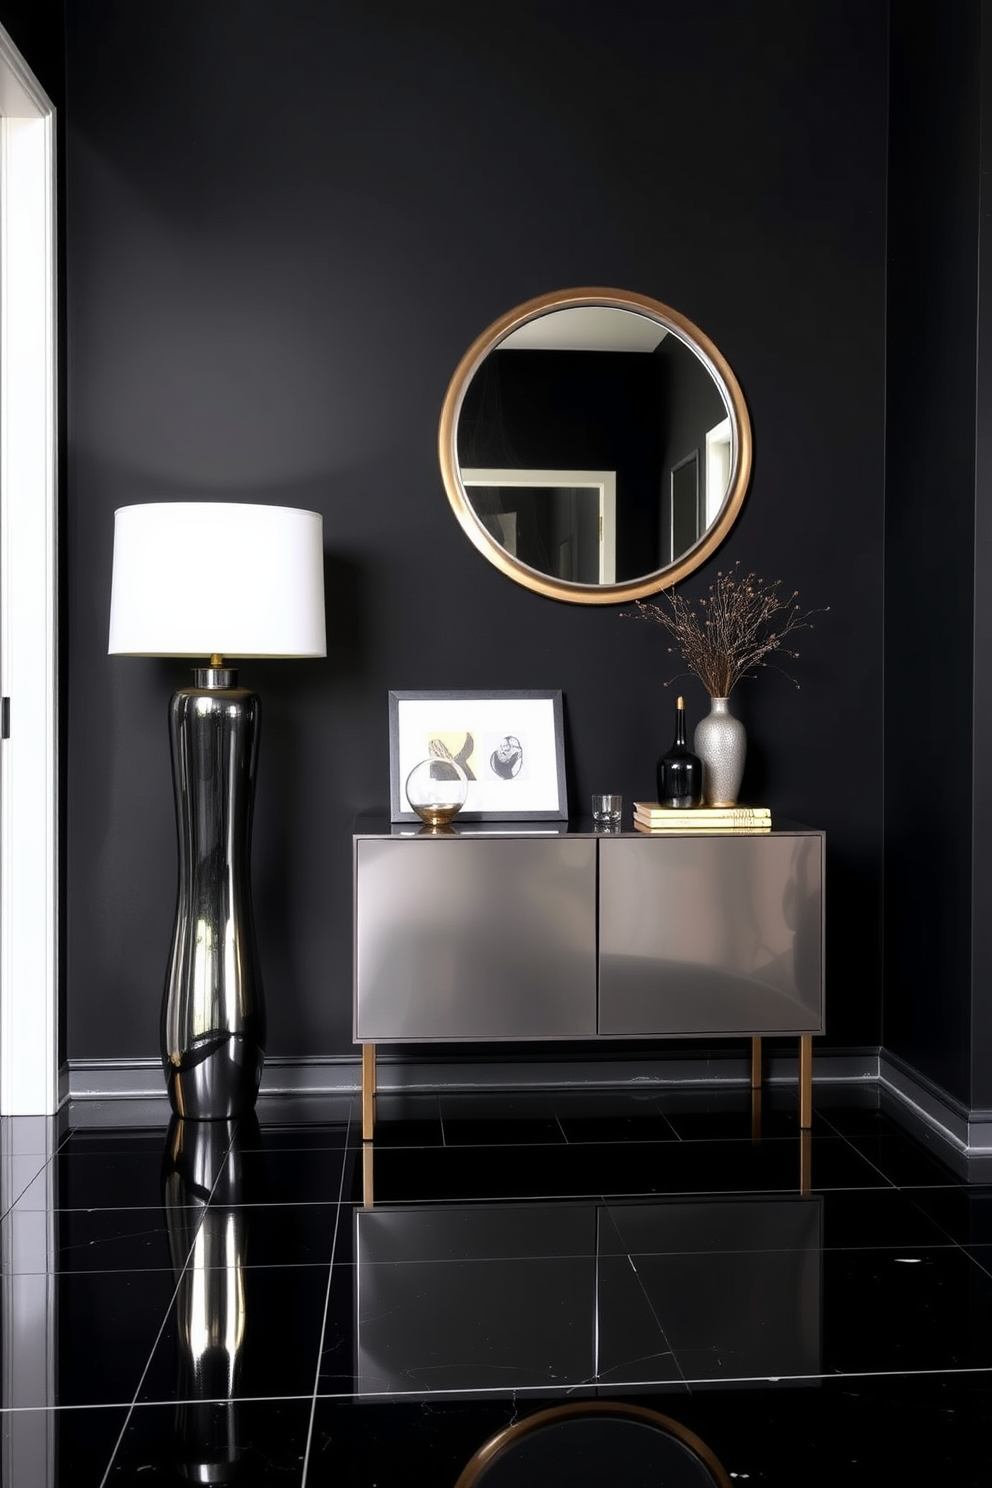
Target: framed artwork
[[510, 745]]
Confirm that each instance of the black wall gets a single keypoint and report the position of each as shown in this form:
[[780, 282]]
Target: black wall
[[938, 717], [285, 226]]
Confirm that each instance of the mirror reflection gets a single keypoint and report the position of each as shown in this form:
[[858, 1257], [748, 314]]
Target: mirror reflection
[[595, 446]]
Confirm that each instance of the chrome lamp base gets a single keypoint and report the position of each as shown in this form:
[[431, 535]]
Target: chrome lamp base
[[213, 1012]]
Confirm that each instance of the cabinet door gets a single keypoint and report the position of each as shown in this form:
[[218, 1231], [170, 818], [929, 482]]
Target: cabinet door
[[711, 935], [475, 938]]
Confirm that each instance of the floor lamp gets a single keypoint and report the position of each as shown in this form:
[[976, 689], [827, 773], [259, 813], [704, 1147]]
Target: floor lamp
[[215, 580]]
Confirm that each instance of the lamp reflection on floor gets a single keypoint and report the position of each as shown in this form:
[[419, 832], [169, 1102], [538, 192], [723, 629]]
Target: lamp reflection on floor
[[207, 1178]]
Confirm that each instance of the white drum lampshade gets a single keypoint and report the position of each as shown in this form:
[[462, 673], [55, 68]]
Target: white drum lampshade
[[205, 578]]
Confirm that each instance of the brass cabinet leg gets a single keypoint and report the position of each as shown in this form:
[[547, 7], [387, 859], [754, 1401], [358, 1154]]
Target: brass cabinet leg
[[756, 1113], [755, 1061], [368, 1091], [756, 1087], [805, 1162], [367, 1155], [806, 1081]]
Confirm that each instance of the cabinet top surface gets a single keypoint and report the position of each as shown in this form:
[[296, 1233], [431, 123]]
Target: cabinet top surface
[[381, 826]]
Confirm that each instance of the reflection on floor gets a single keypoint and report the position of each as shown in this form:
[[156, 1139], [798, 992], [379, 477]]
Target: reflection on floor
[[261, 1305]]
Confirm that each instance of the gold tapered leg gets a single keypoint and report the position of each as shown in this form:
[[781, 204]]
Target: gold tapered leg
[[368, 1091], [755, 1113], [806, 1081], [367, 1155], [755, 1061], [805, 1162]]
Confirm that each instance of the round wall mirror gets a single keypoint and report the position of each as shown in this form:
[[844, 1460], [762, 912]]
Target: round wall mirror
[[595, 445]]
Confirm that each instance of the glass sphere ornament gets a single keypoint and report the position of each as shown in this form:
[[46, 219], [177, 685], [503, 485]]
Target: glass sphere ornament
[[436, 790]]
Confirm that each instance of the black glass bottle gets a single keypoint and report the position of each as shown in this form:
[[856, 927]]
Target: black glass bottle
[[680, 772]]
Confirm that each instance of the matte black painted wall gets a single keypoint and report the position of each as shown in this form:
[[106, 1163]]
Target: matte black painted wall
[[285, 227], [938, 941]]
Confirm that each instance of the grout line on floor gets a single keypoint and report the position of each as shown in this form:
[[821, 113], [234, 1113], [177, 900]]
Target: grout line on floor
[[327, 1304]]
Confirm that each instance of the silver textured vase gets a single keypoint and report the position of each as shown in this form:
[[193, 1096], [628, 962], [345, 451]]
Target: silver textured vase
[[720, 741]]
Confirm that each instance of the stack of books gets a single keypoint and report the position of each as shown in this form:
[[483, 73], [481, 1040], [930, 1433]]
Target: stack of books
[[649, 816]]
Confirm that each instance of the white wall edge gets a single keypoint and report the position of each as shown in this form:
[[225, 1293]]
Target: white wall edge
[[29, 829]]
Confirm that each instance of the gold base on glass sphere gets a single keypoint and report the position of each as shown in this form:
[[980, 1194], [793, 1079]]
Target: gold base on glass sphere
[[438, 814]]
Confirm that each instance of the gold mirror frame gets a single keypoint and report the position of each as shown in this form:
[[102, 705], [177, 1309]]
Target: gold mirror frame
[[719, 370]]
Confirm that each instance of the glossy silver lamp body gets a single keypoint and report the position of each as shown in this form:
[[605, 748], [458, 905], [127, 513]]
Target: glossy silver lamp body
[[213, 1012], [266, 599]]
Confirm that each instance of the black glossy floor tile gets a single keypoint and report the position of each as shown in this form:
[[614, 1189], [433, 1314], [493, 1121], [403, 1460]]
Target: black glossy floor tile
[[405, 1120], [107, 1325], [129, 1178], [293, 1176], [287, 1235], [982, 1255], [962, 1212], [738, 1315], [258, 1443], [273, 1143], [388, 1443], [914, 1431], [611, 1116], [102, 1143], [632, 1343], [910, 1431], [706, 1226], [117, 1239], [523, 1248], [409, 1235], [595, 1168], [903, 1161], [498, 1119], [471, 1326], [736, 1115], [859, 1218], [60, 1446], [905, 1311], [337, 1366]]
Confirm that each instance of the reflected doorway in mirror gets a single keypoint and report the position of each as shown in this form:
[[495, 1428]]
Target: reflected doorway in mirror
[[558, 521]]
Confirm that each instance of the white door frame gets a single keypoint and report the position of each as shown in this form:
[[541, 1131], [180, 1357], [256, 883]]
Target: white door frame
[[29, 1075]]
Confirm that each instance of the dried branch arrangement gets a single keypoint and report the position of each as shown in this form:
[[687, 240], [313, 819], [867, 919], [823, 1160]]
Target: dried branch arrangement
[[739, 623]]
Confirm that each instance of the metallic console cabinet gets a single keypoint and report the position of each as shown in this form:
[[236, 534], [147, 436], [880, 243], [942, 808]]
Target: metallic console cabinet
[[722, 935], [576, 935], [475, 938]]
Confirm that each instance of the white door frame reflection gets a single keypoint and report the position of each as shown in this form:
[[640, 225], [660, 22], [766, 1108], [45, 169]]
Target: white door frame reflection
[[564, 484]]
